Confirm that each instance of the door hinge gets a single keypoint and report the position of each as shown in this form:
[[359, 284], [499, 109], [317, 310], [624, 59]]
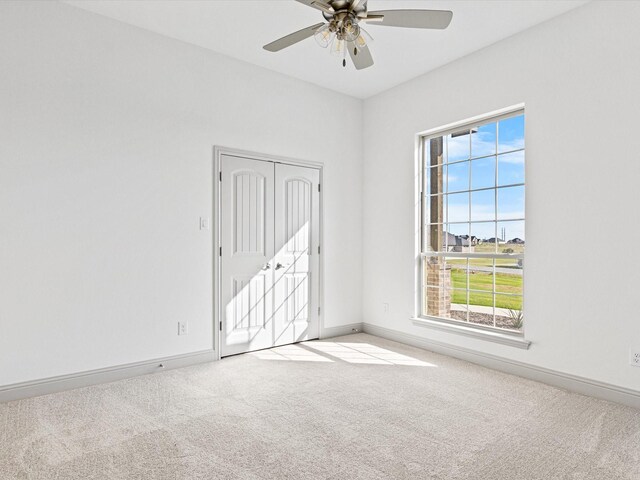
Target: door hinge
[[318, 187], [220, 176], [318, 249], [318, 310], [220, 325], [220, 251]]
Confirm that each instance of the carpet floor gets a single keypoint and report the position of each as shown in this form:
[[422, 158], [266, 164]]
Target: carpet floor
[[355, 407]]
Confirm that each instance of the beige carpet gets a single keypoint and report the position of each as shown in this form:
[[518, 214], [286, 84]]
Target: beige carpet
[[357, 407]]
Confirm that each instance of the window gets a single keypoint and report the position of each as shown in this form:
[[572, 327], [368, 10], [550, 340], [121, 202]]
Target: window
[[473, 223]]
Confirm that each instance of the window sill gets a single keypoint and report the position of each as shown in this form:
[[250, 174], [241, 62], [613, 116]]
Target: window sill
[[512, 340]]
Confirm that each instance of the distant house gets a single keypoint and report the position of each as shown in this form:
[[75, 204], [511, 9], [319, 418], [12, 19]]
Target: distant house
[[474, 240], [457, 243], [517, 241], [499, 241]]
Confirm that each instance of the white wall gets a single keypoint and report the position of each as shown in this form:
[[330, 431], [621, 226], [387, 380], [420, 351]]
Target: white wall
[[107, 135], [579, 76]]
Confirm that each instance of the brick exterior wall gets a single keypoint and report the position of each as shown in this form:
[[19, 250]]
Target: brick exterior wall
[[438, 284], [437, 273]]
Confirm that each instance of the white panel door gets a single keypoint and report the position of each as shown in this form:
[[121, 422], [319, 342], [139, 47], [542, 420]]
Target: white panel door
[[247, 236], [296, 261], [270, 232]]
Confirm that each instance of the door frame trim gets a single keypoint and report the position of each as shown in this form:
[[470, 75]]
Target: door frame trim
[[218, 151]]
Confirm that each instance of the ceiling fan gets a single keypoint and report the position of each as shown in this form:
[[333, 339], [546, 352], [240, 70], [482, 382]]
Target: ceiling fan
[[342, 32]]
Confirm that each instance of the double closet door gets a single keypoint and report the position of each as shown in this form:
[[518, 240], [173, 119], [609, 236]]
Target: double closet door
[[270, 219]]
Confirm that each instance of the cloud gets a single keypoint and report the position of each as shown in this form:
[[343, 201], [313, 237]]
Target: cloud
[[482, 144], [515, 158], [479, 213]]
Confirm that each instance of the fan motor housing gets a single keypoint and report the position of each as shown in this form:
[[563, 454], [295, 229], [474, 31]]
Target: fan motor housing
[[343, 7]]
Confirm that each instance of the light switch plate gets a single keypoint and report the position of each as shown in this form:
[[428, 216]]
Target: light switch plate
[[183, 328], [634, 357]]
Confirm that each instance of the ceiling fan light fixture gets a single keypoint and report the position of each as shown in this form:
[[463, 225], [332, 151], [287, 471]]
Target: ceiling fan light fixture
[[338, 47], [350, 30], [324, 36], [363, 39]]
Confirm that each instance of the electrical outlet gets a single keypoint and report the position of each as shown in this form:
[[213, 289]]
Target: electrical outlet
[[183, 328], [204, 223], [634, 357], [385, 308]]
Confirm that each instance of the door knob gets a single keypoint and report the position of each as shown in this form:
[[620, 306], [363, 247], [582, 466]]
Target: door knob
[[279, 266], [266, 266]]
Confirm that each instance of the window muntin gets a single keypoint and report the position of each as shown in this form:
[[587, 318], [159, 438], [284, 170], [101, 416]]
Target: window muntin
[[473, 234]]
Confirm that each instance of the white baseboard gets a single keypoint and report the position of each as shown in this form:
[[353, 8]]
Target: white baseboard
[[45, 386], [567, 381], [573, 383], [341, 330], [61, 383]]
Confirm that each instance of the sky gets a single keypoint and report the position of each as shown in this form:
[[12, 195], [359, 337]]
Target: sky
[[474, 173]]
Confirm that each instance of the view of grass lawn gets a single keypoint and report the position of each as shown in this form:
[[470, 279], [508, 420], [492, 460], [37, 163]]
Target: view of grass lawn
[[505, 283], [488, 262], [489, 248]]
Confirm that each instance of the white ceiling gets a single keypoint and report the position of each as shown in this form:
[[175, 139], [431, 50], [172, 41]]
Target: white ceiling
[[239, 29]]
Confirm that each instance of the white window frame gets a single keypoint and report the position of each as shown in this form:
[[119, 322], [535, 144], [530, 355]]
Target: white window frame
[[510, 337]]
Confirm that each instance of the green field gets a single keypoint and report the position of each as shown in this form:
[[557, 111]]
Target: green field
[[505, 283], [486, 262], [489, 248]]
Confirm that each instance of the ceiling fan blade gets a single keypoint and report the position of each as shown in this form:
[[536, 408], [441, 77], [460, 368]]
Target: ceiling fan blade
[[437, 19], [318, 5], [362, 59], [292, 38]]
